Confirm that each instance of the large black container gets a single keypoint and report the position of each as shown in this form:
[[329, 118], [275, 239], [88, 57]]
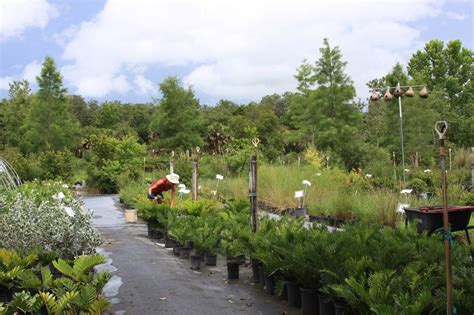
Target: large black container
[[309, 302], [294, 294], [431, 218], [326, 307], [232, 270]]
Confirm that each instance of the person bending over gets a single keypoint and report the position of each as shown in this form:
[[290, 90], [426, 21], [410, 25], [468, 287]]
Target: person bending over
[[156, 189]]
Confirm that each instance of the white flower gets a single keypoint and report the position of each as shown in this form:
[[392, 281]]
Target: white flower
[[427, 171], [368, 175], [406, 170], [219, 177], [306, 182], [318, 174], [65, 186]]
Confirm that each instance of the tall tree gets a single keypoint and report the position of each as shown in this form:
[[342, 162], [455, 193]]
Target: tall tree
[[49, 123], [13, 113], [449, 69], [327, 115], [177, 120]]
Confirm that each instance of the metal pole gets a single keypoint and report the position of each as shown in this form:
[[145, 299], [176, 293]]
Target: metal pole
[[401, 139], [441, 127], [253, 192], [449, 159]]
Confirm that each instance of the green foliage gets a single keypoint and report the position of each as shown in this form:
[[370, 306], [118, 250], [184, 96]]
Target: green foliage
[[177, 120], [111, 158], [57, 164], [52, 227], [49, 122]]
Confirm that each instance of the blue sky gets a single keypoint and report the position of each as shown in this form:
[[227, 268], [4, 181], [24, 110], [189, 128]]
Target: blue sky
[[121, 50]]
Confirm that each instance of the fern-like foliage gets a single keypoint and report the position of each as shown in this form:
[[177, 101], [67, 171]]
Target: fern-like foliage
[[80, 270], [59, 305], [99, 306], [100, 280], [87, 295], [25, 302], [28, 279]]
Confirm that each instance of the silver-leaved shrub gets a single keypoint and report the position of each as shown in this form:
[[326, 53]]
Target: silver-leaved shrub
[[35, 216]]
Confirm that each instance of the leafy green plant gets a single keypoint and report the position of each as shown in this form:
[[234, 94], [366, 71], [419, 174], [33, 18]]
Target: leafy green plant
[[59, 224]]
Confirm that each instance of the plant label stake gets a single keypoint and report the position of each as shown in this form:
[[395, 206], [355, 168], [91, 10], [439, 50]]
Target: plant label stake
[[218, 179], [306, 183], [171, 163], [253, 186], [196, 174], [441, 127], [298, 195]]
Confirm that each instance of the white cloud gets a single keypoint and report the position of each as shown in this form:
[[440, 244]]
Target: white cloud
[[18, 15], [239, 50], [31, 71], [143, 85], [4, 81]]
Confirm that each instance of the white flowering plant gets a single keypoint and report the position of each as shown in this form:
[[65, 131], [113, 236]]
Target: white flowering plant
[[46, 215]]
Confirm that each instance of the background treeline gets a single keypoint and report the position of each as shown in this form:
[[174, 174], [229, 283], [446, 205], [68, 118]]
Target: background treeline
[[51, 134]]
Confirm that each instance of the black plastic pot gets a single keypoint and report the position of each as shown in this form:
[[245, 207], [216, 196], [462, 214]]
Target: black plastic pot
[[341, 309], [211, 259], [232, 270], [184, 253], [294, 293], [300, 212], [169, 242], [256, 274], [176, 249], [309, 302], [5, 297], [240, 259], [270, 284], [195, 262], [261, 276], [326, 307], [154, 230]]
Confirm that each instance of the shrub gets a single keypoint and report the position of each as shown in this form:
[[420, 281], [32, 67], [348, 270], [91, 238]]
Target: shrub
[[57, 164], [111, 158], [35, 217]]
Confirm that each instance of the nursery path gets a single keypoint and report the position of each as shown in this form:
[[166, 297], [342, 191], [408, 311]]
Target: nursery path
[[149, 279]]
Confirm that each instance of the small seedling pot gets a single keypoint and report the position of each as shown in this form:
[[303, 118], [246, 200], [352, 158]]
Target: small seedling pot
[[300, 212], [270, 285], [211, 259], [256, 274], [326, 307], [309, 302], [184, 253], [341, 309]]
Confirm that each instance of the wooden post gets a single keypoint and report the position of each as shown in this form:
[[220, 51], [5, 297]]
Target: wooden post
[[253, 187], [441, 127], [196, 174]]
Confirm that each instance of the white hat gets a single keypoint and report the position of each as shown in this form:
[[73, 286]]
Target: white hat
[[173, 178]]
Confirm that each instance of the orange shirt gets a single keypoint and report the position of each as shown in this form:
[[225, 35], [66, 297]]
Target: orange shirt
[[160, 185]]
